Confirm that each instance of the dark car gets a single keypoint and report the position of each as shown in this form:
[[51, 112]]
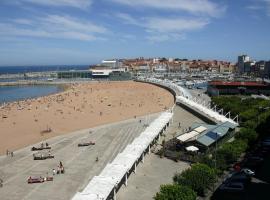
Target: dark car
[[232, 187], [240, 177], [252, 162]]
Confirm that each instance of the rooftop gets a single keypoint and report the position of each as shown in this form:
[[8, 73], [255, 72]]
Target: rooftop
[[237, 83]]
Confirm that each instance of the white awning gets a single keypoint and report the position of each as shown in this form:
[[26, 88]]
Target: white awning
[[200, 129], [192, 148], [101, 186], [187, 136]]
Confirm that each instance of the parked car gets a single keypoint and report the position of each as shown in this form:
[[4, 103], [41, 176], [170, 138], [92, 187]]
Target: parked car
[[232, 187], [252, 162], [248, 172], [240, 177]]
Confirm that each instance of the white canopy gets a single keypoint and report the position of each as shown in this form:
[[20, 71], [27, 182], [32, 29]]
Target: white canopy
[[101, 186], [204, 110], [200, 129], [187, 136], [192, 148], [184, 96]]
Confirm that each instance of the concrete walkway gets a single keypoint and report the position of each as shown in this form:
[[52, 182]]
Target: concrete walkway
[[79, 162], [156, 171]]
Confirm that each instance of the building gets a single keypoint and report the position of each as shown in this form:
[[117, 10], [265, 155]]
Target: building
[[241, 63], [216, 88], [111, 63], [267, 70], [161, 68], [204, 136]]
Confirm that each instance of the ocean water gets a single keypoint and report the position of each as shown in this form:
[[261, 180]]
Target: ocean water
[[25, 69], [15, 93]]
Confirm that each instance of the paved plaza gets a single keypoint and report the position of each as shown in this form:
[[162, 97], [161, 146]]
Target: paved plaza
[[155, 170], [79, 162]]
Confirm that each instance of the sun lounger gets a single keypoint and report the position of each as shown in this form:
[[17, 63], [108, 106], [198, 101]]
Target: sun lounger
[[49, 178], [31, 180], [44, 157], [86, 144], [39, 148]]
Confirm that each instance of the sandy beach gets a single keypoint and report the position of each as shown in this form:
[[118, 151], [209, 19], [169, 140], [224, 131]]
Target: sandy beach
[[81, 106]]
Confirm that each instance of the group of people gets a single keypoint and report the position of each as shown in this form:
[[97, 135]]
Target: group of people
[[46, 145], [60, 169], [9, 153]]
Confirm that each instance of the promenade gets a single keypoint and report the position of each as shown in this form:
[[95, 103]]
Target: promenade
[[155, 170], [79, 162]]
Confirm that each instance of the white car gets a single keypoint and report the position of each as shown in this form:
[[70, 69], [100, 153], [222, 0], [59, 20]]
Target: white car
[[248, 172]]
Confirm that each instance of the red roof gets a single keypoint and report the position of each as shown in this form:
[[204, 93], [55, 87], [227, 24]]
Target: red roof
[[237, 83]]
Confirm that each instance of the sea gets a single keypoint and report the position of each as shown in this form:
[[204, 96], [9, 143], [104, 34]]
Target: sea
[[15, 93], [26, 69]]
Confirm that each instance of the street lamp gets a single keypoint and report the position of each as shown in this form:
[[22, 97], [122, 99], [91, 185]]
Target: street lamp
[[216, 151]]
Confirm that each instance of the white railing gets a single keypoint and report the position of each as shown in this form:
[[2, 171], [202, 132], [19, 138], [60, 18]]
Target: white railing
[[101, 186], [183, 96]]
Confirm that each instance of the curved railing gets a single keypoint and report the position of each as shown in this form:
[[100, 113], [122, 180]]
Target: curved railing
[[183, 97]]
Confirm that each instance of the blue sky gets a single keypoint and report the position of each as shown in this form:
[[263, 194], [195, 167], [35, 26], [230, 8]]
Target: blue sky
[[54, 32]]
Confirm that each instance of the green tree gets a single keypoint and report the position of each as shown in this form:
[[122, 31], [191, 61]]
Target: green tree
[[252, 124], [247, 134], [199, 178], [175, 192], [231, 151], [248, 114]]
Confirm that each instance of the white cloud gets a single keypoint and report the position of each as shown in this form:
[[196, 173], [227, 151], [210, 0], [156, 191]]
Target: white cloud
[[160, 24], [165, 29], [127, 19], [54, 26], [162, 29], [175, 24], [165, 37], [82, 4], [23, 21], [205, 7], [259, 5], [69, 23]]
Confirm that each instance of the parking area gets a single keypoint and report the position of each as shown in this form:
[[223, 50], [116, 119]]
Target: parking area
[[250, 179]]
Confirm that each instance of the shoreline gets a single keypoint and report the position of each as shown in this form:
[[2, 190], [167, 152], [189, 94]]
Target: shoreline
[[76, 108], [58, 87]]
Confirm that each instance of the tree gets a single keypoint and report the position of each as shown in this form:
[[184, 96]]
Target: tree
[[199, 178], [248, 114], [247, 134], [231, 151], [175, 192]]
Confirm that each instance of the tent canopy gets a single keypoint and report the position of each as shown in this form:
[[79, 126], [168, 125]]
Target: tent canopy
[[192, 148]]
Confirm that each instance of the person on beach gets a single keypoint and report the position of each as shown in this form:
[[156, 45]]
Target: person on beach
[[54, 172], [11, 153], [1, 182], [58, 170], [61, 164]]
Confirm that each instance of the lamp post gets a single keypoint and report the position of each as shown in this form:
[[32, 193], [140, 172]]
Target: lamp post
[[216, 152]]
